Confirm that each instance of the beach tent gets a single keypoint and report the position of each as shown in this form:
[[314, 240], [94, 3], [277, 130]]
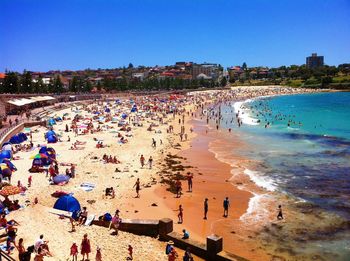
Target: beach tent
[[9, 164], [49, 151], [22, 136], [6, 154], [5, 171], [51, 136], [18, 138], [40, 162], [51, 122], [7, 146], [124, 115], [51, 139], [50, 133], [61, 178], [58, 119], [67, 203], [108, 110]]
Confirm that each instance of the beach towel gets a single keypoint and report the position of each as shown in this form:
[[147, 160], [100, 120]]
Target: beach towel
[[78, 148], [87, 186], [3, 247], [89, 220]]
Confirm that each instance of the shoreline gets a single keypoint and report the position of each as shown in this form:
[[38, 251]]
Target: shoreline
[[242, 189], [204, 156]]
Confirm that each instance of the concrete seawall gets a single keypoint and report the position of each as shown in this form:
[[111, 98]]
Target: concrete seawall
[[9, 132], [163, 229]]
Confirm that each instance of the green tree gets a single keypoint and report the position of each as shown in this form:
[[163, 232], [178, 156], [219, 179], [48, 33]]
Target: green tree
[[26, 85], [11, 83], [39, 86], [244, 66], [87, 86], [130, 66], [223, 81], [57, 85], [73, 84]]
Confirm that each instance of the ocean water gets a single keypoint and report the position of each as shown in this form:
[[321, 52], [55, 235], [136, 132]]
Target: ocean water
[[302, 144]]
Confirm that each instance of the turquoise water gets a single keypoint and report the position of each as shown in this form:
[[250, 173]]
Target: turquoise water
[[314, 114], [302, 144]]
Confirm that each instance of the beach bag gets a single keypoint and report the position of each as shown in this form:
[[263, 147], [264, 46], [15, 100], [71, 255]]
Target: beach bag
[[168, 249], [107, 217]]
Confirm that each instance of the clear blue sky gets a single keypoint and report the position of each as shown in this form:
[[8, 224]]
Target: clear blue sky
[[42, 35]]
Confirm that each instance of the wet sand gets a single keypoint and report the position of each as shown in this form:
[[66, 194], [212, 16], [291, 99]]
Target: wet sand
[[212, 180]]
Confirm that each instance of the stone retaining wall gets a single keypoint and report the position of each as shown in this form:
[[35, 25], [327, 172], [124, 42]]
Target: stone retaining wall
[[211, 250], [18, 128]]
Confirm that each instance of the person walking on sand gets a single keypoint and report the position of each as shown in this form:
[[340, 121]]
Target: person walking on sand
[[180, 215], [137, 187], [115, 222], [85, 247], [178, 187], [280, 214], [74, 252], [189, 181], [226, 205], [98, 254], [130, 249], [142, 161], [21, 250], [206, 207], [150, 162]]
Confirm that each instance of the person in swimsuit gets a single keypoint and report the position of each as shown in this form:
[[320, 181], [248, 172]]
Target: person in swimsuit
[[206, 207], [189, 181], [21, 250], [180, 215], [39, 255], [280, 214], [74, 252], [178, 188], [226, 205], [115, 222], [83, 216], [85, 247], [142, 161], [137, 187]]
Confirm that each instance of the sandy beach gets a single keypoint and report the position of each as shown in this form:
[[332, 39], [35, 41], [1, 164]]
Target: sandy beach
[[212, 179]]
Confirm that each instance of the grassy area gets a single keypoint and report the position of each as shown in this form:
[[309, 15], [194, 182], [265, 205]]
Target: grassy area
[[341, 79]]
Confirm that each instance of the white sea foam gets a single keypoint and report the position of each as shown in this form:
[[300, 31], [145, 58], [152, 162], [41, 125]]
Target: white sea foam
[[243, 113], [259, 180], [255, 211]]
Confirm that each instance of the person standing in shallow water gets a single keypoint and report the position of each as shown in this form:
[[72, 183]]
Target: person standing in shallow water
[[280, 214], [226, 205]]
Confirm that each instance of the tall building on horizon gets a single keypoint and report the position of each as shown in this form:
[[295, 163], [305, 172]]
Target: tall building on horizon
[[314, 61]]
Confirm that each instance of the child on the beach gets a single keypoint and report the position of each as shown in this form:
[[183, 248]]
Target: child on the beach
[[180, 215], [98, 254], [74, 252], [30, 181], [280, 214], [130, 252], [142, 161]]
